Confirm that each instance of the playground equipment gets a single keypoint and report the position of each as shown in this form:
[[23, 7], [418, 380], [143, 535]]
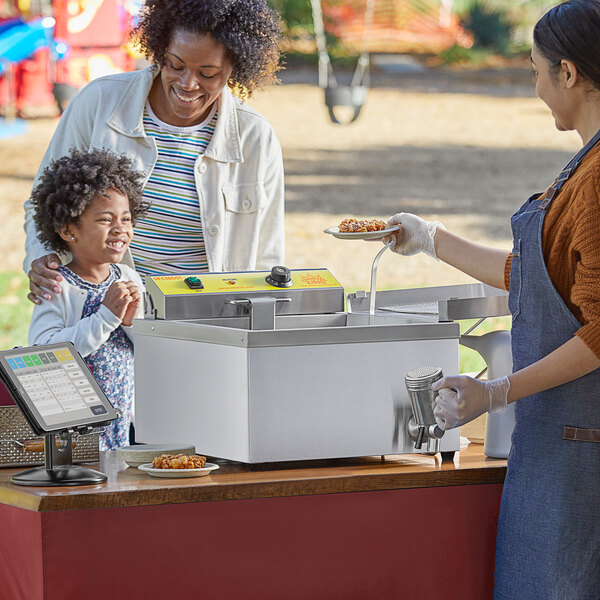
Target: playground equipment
[[397, 26], [355, 94], [379, 26], [19, 41], [45, 61]]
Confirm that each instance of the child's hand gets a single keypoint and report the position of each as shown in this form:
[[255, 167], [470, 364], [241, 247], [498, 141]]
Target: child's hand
[[118, 298], [132, 308]]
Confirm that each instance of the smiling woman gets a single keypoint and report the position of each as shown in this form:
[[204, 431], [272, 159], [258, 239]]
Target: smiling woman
[[212, 166], [248, 30], [196, 69]]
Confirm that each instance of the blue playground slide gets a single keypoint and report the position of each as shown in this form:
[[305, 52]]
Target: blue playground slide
[[19, 40]]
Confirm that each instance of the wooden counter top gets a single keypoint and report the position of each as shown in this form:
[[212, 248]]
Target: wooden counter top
[[127, 486]]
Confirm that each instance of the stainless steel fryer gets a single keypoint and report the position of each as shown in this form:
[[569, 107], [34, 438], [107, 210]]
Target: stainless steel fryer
[[255, 369]]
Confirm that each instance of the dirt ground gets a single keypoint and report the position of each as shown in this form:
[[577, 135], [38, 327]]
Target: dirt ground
[[466, 148]]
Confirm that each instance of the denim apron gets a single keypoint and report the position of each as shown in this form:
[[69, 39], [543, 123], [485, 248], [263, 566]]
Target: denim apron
[[548, 544]]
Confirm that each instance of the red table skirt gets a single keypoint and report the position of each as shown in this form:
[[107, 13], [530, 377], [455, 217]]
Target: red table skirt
[[433, 543]]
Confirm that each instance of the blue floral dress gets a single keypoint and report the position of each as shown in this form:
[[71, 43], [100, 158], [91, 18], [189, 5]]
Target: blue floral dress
[[112, 363]]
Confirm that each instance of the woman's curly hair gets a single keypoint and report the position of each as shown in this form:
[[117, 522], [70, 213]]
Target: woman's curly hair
[[69, 184], [249, 29]]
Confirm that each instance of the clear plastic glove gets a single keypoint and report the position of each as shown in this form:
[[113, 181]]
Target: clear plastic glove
[[416, 235], [461, 399]]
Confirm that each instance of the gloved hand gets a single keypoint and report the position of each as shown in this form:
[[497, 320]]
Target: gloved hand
[[461, 399], [416, 235]]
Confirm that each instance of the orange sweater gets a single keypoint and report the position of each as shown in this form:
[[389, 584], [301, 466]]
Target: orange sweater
[[571, 247]]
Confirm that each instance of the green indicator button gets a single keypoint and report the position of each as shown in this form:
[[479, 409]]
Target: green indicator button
[[27, 360], [194, 283], [36, 359]]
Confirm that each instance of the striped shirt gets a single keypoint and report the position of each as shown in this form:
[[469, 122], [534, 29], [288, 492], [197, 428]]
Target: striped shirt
[[169, 238]]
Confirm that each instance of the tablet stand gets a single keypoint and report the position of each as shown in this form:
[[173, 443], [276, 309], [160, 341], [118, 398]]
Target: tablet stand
[[58, 469]]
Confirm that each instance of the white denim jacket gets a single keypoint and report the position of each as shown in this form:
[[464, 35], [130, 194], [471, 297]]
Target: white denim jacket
[[239, 178], [59, 319]]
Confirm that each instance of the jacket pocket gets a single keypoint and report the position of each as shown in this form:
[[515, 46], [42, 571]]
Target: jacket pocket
[[514, 293], [243, 219], [244, 198]]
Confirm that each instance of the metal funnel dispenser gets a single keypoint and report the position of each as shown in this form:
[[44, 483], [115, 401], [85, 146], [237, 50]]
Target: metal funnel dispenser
[[422, 425]]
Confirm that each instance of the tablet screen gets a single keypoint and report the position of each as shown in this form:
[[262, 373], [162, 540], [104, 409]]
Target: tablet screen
[[54, 387]]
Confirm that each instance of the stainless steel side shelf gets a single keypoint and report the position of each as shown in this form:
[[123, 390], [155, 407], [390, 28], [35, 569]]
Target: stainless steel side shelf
[[437, 304]]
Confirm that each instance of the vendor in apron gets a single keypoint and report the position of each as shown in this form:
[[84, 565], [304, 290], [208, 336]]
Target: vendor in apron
[[548, 542]]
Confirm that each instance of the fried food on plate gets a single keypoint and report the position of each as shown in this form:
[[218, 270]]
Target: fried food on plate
[[179, 461], [351, 225]]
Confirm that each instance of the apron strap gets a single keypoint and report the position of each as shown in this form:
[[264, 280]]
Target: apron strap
[[566, 173], [581, 434]]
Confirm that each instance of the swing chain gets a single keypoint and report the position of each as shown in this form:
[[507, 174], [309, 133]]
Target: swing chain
[[355, 94]]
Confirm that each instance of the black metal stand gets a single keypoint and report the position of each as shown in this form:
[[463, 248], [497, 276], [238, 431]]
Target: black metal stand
[[447, 456], [58, 469]]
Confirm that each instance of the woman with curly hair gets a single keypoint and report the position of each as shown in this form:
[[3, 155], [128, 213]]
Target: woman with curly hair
[[212, 166], [86, 204]]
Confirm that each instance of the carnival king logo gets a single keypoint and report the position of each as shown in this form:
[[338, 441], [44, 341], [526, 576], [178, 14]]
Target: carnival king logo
[[313, 280]]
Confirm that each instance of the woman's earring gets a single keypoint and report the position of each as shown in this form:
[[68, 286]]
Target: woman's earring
[[72, 238]]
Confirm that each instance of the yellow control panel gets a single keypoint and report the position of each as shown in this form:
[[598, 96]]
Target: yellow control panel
[[216, 283]]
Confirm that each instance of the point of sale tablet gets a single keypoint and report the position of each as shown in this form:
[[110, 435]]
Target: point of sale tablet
[[54, 388]]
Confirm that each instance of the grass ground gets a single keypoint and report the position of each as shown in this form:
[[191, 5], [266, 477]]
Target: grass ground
[[15, 313]]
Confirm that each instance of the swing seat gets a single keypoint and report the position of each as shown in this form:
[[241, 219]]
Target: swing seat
[[345, 95], [355, 94]]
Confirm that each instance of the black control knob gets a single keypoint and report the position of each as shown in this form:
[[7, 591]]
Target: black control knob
[[280, 277]]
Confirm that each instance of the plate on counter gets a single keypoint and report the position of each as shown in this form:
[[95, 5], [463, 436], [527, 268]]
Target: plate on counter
[[140, 454], [174, 473], [360, 235]]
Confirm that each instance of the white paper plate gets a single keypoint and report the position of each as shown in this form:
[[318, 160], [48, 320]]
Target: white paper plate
[[360, 235], [148, 468], [140, 454]]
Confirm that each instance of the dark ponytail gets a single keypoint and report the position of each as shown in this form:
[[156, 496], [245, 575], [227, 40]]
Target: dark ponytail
[[571, 31]]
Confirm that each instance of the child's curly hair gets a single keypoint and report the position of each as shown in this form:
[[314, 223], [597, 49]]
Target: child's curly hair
[[249, 29], [68, 185]]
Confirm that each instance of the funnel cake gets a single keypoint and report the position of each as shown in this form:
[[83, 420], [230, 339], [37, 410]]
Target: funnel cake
[[352, 225], [179, 461]]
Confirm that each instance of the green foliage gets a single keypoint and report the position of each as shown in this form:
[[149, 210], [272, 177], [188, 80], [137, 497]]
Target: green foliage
[[299, 28], [459, 54], [15, 310], [529, 10], [490, 26], [296, 14], [501, 26]]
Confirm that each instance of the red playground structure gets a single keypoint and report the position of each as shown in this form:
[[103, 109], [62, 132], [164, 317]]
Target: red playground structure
[[51, 48]]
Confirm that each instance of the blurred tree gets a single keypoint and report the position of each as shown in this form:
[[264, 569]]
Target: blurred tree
[[520, 6], [491, 27], [501, 26], [296, 14]]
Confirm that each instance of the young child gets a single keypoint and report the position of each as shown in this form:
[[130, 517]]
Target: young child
[[85, 205]]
